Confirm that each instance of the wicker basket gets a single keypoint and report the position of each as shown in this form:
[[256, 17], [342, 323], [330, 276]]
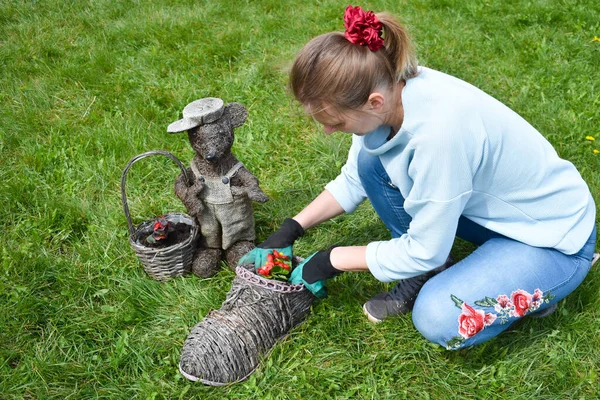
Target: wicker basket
[[166, 262]]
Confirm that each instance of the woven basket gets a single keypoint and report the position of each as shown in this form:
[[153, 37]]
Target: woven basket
[[229, 343], [166, 262]]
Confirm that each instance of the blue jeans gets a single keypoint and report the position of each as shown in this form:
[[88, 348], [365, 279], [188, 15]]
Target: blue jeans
[[502, 281]]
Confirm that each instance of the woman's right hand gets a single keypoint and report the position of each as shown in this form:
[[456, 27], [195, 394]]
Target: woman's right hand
[[285, 236]]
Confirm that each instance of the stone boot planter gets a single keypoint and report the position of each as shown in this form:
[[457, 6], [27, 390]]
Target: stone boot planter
[[228, 344]]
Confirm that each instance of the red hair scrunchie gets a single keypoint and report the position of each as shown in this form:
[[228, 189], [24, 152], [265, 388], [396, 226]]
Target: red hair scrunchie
[[363, 28]]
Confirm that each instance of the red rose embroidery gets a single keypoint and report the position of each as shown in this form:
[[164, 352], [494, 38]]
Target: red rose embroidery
[[537, 299], [363, 28], [503, 301], [472, 321], [522, 301], [489, 319]]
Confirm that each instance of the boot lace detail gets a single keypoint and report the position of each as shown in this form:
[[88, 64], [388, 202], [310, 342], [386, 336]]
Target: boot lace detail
[[407, 289]]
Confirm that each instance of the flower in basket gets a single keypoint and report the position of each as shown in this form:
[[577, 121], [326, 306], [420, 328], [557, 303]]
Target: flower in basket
[[160, 230], [277, 267]]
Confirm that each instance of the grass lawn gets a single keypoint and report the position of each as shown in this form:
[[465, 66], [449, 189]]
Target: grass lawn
[[86, 85]]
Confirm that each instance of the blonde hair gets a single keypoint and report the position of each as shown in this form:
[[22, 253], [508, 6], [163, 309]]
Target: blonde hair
[[330, 70]]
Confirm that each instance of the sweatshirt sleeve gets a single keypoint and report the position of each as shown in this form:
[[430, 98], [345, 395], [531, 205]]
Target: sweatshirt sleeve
[[346, 188], [441, 168]]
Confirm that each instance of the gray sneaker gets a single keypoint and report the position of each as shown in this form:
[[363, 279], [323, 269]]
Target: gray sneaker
[[401, 299], [545, 312]]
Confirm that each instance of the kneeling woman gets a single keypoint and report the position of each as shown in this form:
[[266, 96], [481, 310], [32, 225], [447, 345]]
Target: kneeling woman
[[439, 158]]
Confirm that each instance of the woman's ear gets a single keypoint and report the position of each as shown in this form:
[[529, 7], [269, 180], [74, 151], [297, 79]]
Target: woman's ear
[[376, 101]]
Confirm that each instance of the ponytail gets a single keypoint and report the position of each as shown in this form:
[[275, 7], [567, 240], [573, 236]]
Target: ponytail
[[399, 47]]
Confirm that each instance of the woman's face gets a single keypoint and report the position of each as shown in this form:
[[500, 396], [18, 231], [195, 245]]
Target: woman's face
[[384, 107], [359, 122]]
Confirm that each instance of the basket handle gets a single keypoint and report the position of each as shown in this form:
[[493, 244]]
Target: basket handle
[[124, 178]]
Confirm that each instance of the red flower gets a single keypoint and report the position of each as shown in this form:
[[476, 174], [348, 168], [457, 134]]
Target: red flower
[[363, 28], [537, 299], [503, 303], [522, 301], [489, 319], [472, 321], [282, 265], [279, 255], [160, 228]]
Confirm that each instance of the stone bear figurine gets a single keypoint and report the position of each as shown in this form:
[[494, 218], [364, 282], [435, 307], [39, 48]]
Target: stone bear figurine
[[221, 190]]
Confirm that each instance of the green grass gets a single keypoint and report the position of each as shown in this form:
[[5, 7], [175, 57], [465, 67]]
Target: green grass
[[86, 85]]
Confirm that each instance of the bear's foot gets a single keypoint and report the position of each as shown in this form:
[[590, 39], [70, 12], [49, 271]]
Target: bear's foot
[[206, 262], [236, 251]]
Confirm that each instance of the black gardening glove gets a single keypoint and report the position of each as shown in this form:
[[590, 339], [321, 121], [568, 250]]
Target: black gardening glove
[[285, 236], [318, 267]]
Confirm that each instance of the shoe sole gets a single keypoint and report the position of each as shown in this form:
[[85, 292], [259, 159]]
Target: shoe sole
[[188, 376], [595, 258], [369, 316]]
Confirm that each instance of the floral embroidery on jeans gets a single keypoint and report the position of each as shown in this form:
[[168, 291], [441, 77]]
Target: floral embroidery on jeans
[[472, 321]]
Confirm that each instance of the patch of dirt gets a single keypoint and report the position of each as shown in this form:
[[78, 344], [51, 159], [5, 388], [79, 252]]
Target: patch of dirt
[[177, 233]]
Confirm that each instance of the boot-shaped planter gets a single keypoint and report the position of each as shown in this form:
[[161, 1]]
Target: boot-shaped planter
[[227, 345]]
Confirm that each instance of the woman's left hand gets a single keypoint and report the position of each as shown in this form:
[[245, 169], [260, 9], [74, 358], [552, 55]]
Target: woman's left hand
[[314, 271]]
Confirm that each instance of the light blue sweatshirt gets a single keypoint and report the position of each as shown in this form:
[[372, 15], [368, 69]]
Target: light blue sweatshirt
[[462, 152]]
